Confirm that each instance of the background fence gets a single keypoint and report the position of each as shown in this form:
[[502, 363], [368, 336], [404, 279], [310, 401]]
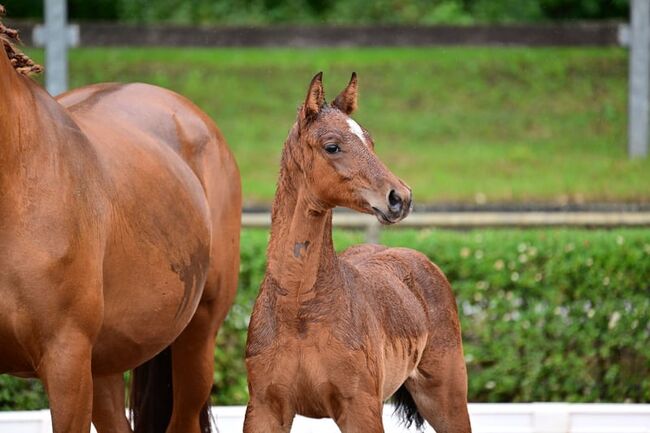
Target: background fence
[[486, 418], [117, 34], [476, 219]]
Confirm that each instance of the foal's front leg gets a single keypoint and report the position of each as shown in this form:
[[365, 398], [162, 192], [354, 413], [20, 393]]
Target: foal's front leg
[[363, 414], [264, 418]]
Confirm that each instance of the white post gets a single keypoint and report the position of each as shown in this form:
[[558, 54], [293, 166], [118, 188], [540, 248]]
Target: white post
[[56, 36], [372, 232], [639, 85]]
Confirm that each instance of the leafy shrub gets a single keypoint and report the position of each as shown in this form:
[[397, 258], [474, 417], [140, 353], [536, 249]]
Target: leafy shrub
[[560, 315], [547, 315], [231, 12], [556, 315], [17, 394]]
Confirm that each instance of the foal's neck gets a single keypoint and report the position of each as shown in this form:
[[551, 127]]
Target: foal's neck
[[301, 252]]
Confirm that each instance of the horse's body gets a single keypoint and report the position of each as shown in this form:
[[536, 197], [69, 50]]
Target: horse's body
[[335, 336], [119, 236]]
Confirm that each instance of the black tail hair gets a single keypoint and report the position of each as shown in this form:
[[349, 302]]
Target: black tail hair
[[406, 409], [152, 396]]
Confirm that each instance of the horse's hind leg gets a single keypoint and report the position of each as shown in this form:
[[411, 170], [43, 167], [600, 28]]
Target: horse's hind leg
[[192, 371], [193, 350], [66, 373], [109, 413], [439, 390]]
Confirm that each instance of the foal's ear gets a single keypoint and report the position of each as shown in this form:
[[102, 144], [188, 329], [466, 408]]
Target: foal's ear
[[315, 98], [347, 99]]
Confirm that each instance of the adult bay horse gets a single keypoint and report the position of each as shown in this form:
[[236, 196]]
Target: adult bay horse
[[335, 336], [119, 243]]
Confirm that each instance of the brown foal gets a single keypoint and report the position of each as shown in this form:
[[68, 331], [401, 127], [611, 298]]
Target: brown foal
[[119, 243], [335, 336]]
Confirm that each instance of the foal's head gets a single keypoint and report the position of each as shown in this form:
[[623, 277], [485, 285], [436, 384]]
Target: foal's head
[[338, 160]]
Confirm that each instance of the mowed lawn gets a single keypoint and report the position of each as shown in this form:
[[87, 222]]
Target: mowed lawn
[[457, 124]]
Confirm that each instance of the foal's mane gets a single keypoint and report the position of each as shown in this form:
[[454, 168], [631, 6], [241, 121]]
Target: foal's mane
[[21, 63]]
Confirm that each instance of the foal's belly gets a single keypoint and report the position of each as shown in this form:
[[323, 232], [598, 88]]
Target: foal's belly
[[319, 374], [401, 359]]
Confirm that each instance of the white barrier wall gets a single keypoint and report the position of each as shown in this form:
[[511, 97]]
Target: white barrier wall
[[486, 418]]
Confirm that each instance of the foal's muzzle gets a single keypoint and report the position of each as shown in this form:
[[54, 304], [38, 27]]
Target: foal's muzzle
[[399, 202]]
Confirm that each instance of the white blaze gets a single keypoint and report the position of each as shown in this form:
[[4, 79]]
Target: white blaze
[[356, 130]]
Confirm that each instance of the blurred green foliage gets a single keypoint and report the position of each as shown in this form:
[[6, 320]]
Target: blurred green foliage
[[556, 315], [249, 12], [559, 315], [21, 394]]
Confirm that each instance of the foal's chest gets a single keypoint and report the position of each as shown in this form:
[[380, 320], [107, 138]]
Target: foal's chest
[[312, 373]]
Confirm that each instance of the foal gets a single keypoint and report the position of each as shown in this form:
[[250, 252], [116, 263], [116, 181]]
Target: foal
[[335, 336]]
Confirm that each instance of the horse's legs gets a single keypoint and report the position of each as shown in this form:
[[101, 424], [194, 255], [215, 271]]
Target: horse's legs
[[263, 418], [440, 390], [361, 415], [109, 413], [193, 350], [66, 373], [192, 370]]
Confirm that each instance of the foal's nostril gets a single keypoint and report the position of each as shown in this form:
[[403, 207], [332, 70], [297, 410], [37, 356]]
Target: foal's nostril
[[394, 201]]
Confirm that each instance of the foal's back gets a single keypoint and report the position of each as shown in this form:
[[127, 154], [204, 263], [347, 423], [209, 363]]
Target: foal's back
[[404, 284]]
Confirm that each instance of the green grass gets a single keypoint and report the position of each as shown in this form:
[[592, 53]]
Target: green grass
[[457, 124]]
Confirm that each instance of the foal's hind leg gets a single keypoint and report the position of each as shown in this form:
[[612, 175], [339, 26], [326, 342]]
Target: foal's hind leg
[[109, 413], [440, 390]]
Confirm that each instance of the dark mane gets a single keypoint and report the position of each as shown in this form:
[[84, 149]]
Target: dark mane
[[9, 37]]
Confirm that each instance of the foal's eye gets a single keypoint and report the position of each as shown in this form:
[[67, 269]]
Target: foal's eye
[[332, 148]]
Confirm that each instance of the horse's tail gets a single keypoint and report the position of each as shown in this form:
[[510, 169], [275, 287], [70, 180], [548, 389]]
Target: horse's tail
[[152, 396], [406, 409]]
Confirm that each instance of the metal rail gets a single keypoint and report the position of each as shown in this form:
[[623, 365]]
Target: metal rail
[[465, 220], [470, 220]]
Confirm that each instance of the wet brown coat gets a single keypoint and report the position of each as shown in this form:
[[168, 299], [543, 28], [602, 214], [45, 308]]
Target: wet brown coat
[[335, 336], [119, 236]]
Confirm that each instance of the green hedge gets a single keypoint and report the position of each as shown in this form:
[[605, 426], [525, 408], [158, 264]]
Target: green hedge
[[248, 12], [553, 315]]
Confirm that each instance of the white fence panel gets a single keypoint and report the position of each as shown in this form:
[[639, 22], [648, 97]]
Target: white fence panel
[[486, 418]]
